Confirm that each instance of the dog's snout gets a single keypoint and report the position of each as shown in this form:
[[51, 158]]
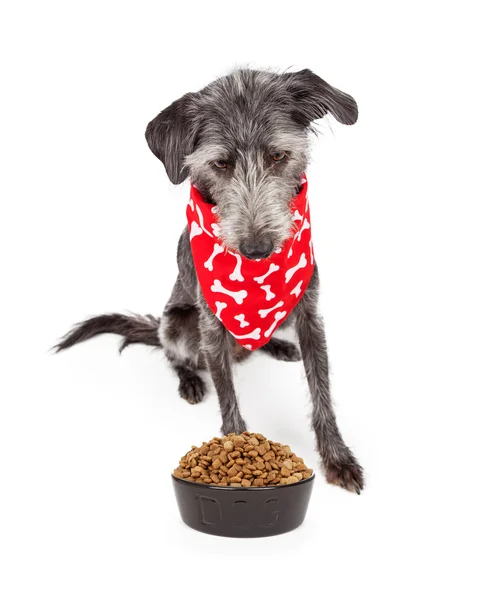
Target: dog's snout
[[254, 248]]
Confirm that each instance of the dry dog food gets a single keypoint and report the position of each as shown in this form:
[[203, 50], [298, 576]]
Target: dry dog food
[[242, 460]]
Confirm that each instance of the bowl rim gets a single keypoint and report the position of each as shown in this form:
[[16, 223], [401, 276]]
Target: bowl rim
[[257, 488]]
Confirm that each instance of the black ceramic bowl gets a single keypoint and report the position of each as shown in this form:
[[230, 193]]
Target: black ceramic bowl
[[243, 512]]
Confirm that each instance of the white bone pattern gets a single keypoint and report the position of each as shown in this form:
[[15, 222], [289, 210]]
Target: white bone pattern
[[201, 220], [269, 294], [297, 216], [311, 251], [254, 335], [265, 311], [304, 226], [272, 269], [220, 306], [236, 274], [237, 296], [290, 253], [297, 289], [242, 321], [218, 249], [277, 317], [195, 230], [301, 264], [216, 229], [191, 204], [248, 346]]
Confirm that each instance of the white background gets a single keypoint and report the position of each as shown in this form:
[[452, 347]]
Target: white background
[[89, 224]]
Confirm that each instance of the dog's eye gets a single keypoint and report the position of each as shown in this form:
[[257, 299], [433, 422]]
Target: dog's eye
[[220, 164], [277, 156]]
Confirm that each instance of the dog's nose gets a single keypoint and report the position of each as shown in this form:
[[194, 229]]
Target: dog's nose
[[256, 249]]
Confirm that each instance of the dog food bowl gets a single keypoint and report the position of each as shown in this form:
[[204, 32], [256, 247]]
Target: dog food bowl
[[243, 512]]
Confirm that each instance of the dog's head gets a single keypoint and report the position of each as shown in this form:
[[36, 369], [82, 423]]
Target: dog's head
[[243, 141]]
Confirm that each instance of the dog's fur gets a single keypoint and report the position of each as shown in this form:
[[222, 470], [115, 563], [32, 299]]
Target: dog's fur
[[242, 120]]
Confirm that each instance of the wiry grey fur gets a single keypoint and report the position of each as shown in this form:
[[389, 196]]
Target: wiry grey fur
[[242, 120]]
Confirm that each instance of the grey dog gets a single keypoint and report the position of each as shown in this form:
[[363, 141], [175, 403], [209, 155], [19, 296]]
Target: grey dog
[[243, 141]]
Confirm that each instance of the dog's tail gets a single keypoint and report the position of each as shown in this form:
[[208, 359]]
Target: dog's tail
[[135, 329]]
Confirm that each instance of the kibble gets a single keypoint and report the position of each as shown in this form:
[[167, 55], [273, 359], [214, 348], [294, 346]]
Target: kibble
[[246, 460]]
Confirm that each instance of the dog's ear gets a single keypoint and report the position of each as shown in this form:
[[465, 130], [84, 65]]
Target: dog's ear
[[171, 136], [313, 98]]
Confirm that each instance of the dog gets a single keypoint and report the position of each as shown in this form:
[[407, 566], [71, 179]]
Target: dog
[[243, 141]]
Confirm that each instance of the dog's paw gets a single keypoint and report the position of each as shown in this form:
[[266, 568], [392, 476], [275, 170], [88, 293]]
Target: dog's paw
[[348, 474], [282, 350], [287, 351], [235, 425], [192, 388]]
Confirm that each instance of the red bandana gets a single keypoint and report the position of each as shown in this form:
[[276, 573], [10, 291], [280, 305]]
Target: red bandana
[[250, 297]]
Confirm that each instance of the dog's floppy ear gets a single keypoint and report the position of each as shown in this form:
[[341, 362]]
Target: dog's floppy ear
[[171, 137], [313, 98]]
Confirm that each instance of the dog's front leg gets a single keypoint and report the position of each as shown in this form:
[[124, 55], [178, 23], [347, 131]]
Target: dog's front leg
[[339, 463], [217, 348]]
